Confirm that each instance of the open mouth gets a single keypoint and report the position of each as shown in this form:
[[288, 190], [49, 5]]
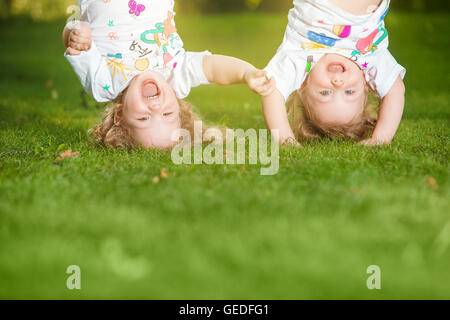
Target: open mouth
[[150, 90], [336, 67]]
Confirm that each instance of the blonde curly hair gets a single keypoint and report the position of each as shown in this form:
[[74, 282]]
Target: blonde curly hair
[[111, 135], [307, 127]]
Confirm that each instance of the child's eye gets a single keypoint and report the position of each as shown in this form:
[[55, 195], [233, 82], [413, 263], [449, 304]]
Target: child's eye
[[167, 114], [325, 92], [144, 118], [349, 92]]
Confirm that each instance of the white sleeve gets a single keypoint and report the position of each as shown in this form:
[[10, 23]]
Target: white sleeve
[[382, 71], [288, 72], [83, 4], [91, 69], [189, 73]]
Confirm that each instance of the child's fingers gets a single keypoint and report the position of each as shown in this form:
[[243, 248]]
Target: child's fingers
[[371, 143], [82, 33], [79, 42], [367, 142], [79, 39], [291, 142], [266, 82], [263, 87], [72, 52], [85, 36], [78, 46], [261, 73], [259, 82], [258, 76], [270, 87], [256, 86]]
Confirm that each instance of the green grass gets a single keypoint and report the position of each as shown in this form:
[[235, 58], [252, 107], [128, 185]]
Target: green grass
[[219, 231]]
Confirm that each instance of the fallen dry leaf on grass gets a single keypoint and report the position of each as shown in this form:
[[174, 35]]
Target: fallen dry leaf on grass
[[164, 174], [66, 155], [49, 84], [55, 94], [432, 183], [156, 180]]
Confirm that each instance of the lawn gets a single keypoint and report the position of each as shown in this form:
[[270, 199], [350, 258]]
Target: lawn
[[220, 232]]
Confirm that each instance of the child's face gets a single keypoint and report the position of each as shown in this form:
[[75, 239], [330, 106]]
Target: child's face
[[151, 111], [336, 91]]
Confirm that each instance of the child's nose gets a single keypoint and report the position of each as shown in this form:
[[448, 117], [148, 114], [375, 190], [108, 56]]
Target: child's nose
[[154, 106], [337, 82]]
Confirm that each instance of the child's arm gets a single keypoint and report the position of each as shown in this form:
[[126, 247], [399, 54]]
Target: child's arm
[[275, 114], [89, 66], [77, 39], [390, 115], [223, 70]]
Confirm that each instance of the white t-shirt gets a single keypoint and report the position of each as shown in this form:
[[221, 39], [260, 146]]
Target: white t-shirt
[[131, 37], [316, 28]]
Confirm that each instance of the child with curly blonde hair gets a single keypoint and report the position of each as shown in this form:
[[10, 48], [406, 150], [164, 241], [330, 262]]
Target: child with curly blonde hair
[[334, 54], [130, 52]]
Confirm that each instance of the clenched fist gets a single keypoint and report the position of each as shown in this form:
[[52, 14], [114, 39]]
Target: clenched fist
[[77, 39], [259, 83]]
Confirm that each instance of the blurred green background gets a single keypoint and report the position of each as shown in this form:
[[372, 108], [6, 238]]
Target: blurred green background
[[50, 9], [219, 232]]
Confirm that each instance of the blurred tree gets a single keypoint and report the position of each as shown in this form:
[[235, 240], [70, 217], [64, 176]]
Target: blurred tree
[[5, 8], [8, 4], [276, 6], [36, 9]]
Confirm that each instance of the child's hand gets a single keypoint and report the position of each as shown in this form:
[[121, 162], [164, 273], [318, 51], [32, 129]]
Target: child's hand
[[372, 142], [389, 117], [79, 40], [291, 142], [259, 83]]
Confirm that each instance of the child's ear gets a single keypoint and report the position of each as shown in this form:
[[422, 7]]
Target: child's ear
[[118, 113]]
